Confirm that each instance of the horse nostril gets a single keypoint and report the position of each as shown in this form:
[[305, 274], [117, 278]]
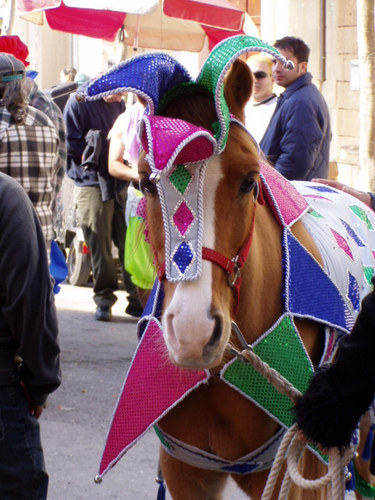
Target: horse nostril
[[216, 334], [215, 338]]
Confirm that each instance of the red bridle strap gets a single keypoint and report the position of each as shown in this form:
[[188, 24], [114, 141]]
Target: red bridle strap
[[232, 266], [227, 264]]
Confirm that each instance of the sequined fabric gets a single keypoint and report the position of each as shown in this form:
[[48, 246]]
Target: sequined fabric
[[169, 141], [343, 230], [150, 75], [282, 349], [305, 283], [256, 461], [217, 64], [177, 143], [152, 386], [157, 77], [325, 294], [176, 151]]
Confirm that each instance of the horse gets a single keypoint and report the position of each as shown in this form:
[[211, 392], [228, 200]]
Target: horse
[[215, 417], [229, 277]]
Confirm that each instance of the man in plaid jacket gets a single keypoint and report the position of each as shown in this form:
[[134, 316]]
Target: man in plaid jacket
[[28, 142]]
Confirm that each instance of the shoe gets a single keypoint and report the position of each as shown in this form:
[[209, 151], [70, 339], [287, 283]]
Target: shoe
[[135, 311], [103, 313]]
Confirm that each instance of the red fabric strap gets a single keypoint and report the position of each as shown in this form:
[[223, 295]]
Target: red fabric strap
[[218, 258]]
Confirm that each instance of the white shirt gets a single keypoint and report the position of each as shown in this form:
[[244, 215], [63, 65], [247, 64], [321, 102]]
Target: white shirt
[[258, 115], [128, 123]]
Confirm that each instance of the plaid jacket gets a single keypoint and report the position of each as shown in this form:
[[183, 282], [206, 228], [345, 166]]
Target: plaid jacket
[[28, 153], [39, 100]]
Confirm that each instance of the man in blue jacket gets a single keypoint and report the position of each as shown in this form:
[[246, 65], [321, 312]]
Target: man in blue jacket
[[298, 137], [99, 197]]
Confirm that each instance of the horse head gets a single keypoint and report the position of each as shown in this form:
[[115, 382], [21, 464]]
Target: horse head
[[200, 175], [197, 207]]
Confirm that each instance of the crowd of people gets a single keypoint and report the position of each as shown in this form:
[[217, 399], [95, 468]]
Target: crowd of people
[[95, 144], [39, 145]]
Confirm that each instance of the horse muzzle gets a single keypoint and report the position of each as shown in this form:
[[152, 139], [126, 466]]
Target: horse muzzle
[[194, 344]]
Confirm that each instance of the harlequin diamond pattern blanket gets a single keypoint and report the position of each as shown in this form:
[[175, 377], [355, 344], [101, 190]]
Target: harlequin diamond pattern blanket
[[343, 229]]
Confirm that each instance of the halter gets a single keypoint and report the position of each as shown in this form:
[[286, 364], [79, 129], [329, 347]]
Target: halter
[[233, 266]]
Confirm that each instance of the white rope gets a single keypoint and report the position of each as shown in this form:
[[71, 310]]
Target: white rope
[[291, 448]]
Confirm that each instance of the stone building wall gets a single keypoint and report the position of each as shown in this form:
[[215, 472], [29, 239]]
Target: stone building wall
[[347, 102]]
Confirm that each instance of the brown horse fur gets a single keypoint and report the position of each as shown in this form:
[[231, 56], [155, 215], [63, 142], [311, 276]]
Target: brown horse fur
[[215, 417]]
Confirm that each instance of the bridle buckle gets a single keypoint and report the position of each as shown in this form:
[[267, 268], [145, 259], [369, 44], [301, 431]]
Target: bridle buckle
[[236, 273]]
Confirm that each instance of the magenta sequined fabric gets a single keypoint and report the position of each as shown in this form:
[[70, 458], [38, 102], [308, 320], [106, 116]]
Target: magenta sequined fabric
[[286, 203], [171, 141], [153, 379]]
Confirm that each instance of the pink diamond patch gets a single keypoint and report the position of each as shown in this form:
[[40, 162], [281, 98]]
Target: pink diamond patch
[[183, 218], [342, 243]]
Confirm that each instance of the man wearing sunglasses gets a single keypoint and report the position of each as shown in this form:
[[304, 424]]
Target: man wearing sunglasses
[[297, 140], [262, 103]]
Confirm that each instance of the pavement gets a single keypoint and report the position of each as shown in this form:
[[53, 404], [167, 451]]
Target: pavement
[[95, 359]]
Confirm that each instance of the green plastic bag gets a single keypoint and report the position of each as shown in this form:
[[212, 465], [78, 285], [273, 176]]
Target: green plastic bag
[[138, 255]]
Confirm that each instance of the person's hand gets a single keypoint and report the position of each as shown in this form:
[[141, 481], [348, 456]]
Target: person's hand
[[360, 195], [35, 410], [304, 440]]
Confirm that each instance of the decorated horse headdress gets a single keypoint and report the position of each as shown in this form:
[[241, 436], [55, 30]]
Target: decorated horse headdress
[[177, 151]]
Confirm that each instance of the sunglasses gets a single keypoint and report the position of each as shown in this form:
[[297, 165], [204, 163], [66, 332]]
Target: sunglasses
[[260, 74]]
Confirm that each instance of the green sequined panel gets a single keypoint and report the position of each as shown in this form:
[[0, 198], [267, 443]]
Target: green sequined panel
[[368, 272], [282, 350], [180, 178], [362, 215], [161, 437]]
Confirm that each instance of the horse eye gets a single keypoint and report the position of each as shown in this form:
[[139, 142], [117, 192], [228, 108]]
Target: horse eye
[[147, 186], [247, 185]]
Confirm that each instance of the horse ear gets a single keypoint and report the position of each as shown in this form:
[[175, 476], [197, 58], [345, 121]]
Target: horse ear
[[237, 88]]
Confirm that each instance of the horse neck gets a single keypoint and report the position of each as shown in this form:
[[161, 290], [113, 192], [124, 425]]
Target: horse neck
[[261, 291], [262, 278]]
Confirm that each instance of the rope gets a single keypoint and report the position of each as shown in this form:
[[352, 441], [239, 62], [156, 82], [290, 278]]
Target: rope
[[280, 383], [291, 447]]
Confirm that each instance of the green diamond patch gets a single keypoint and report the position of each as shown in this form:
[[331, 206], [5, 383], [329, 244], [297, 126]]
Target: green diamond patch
[[282, 350]]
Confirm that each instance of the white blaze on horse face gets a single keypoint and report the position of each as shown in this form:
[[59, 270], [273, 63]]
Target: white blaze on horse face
[[187, 322]]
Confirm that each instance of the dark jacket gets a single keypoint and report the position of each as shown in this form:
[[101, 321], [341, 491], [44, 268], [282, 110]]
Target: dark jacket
[[298, 136], [28, 319], [338, 395], [82, 119]]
